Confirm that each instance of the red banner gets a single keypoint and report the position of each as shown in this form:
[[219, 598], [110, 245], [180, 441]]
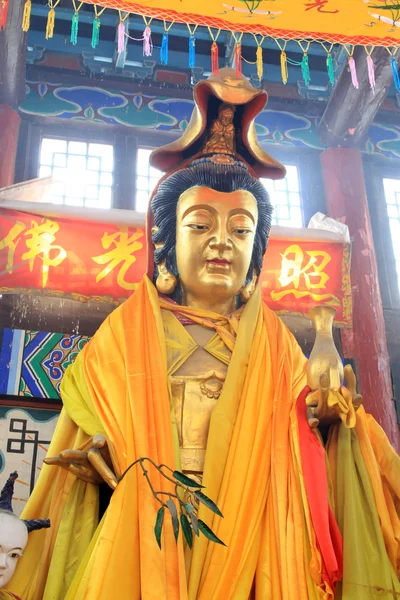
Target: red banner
[[87, 260]]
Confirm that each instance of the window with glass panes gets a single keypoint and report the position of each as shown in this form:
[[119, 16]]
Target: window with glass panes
[[82, 171], [146, 179], [285, 198], [392, 196]]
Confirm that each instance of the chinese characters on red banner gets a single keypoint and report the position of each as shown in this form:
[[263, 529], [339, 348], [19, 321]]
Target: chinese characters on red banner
[[86, 260]]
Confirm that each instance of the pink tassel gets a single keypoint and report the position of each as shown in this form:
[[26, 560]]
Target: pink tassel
[[371, 72], [121, 37], [352, 65], [147, 42]]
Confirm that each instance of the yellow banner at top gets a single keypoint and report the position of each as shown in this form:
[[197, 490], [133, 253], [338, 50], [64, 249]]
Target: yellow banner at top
[[365, 22]]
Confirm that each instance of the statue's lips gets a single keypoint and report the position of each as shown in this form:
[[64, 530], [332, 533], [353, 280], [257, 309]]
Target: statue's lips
[[219, 263]]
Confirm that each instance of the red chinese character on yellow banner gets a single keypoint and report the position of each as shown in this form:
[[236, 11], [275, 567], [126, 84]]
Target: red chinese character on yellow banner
[[40, 245], [320, 6], [121, 255], [312, 274], [10, 242]]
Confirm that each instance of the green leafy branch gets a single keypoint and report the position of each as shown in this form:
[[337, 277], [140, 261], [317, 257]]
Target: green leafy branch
[[187, 518]]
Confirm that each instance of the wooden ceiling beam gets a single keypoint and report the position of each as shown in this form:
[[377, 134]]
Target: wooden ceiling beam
[[350, 111], [13, 47]]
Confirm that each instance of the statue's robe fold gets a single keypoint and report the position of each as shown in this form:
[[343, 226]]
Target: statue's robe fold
[[253, 471]]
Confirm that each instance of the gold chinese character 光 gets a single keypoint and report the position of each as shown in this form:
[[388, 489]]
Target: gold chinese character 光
[[293, 271], [10, 242], [40, 245], [121, 254]]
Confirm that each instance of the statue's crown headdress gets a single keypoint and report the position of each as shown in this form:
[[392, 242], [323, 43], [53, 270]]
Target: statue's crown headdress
[[6, 504]]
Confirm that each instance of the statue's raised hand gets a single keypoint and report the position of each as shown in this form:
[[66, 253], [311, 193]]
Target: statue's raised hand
[[94, 462], [326, 405]]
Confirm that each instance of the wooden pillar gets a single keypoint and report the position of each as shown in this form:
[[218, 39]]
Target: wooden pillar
[[346, 197], [12, 88], [9, 129]]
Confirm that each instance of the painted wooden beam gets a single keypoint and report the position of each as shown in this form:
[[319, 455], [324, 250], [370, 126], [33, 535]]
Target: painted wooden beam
[[351, 111]]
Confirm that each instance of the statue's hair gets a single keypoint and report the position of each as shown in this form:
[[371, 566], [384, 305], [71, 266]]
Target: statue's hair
[[221, 178]]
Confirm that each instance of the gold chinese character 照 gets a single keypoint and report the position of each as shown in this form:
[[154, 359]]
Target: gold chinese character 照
[[40, 245], [312, 273], [121, 254]]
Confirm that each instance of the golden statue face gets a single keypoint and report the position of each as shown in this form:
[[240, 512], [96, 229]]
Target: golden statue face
[[214, 242]]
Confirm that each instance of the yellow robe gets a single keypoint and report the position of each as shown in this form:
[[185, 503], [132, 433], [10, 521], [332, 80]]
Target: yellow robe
[[118, 386]]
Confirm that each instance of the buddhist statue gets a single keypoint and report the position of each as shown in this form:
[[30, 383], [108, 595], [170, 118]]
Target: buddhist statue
[[194, 379]]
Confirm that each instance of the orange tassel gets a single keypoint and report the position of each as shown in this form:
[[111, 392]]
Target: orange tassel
[[3, 13], [214, 58]]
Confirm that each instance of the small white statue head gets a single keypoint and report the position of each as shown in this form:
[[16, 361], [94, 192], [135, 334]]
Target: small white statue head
[[13, 540], [13, 532]]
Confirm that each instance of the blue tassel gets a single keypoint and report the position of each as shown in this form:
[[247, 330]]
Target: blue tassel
[[164, 50], [95, 32], [74, 29], [192, 52], [330, 69], [305, 69], [395, 71]]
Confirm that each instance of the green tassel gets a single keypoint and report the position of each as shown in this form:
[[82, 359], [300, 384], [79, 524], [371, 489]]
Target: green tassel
[[329, 66], [305, 69], [74, 29], [95, 32]]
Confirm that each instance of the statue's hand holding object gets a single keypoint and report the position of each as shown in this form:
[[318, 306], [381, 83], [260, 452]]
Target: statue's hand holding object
[[94, 462], [329, 400]]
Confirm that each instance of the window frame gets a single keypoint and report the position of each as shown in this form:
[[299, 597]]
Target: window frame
[[376, 170]]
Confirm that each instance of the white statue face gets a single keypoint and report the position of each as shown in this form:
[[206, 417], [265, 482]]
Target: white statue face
[[13, 540]]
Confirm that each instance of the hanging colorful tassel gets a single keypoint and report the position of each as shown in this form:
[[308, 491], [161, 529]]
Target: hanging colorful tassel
[[284, 67], [259, 63], [329, 68], [121, 37], [51, 17], [305, 69], [395, 71], [164, 50], [192, 51], [26, 17], [74, 29], [147, 42], [238, 59], [371, 72], [353, 72], [214, 58], [95, 32], [3, 14]]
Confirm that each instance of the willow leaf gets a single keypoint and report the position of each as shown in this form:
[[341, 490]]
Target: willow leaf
[[195, 523], [159, 524], [189, 508], [185, 480], [187, 530], [209, 533], [209, 503], [174, 515]]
